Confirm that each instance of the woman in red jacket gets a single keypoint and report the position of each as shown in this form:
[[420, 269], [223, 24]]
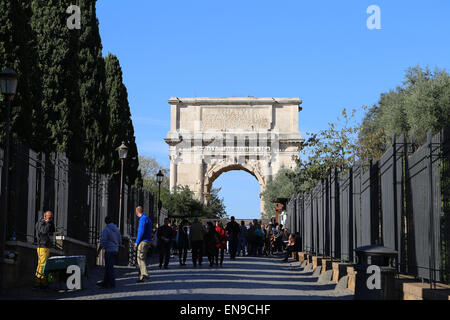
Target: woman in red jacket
[[223, 241]]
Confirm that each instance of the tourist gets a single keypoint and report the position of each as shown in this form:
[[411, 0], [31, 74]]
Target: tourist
[[251, 240], [285, 238], [258, 239], [165, 236], [233, 232], [212, 239], [242, 239], [110, 240], [223, 242], [143, 243], [196, 236], [290, 247], [182, 242], [278, 242], [44, 230], [174, 240]]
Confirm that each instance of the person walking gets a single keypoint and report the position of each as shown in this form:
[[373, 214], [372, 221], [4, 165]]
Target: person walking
[[110, 241], [233, 232], [165, 236], [223, 242], [242, 239], [212, 239], [196, 236], [143, 243], [182, 241], [44, 229]]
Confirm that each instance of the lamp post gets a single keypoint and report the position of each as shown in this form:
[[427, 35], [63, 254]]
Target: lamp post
[[159, 179], [8, 84], [123, 151]]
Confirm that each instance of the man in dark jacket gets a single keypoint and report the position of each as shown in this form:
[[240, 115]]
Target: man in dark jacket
[[233, 231], [196, 237], [44, 230], [165, 235]]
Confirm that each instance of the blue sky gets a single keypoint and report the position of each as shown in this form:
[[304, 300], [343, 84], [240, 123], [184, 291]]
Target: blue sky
[[319, 51]]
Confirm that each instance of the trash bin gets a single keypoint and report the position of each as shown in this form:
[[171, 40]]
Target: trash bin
[[375, 273]]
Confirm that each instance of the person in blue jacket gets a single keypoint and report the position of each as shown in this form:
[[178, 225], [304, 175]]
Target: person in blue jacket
[[143, 242]]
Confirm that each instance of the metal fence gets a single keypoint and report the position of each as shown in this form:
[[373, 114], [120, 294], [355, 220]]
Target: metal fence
[[79, 198], [401, 202]]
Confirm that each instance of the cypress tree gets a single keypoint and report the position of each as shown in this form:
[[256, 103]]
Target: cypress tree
[[120, 125], [17, 51], [94, 113], [57, 48]]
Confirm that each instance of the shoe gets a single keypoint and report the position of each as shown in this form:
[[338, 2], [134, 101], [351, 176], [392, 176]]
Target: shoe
[[147, 277], [100, 284], [166, 267], [139, 280], [160, 266], [285, 260]]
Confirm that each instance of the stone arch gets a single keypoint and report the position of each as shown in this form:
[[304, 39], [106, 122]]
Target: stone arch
[[210, 136], [214, 171]]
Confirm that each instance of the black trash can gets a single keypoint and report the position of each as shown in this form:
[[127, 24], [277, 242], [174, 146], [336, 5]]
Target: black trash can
[[375, 273]]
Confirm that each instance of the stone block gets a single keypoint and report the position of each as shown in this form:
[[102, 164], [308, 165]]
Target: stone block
[[351, 278], [316, 261], [326, 265], [422, 291], [339, 270]]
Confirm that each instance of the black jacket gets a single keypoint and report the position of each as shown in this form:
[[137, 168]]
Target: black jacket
[[44, 230], [233, 229]]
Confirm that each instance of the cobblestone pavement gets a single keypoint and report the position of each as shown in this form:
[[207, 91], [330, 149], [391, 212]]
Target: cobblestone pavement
[[252, 278]]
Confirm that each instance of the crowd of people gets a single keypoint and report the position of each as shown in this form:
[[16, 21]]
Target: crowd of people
[[210, 240]]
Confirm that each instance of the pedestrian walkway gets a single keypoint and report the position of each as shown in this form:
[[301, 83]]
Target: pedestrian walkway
[[251, 278]]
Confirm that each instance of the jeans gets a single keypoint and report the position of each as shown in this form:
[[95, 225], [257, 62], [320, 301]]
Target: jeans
[[221, 252], [164, 253], [110, 259], [242, 243], [233, 247], [182, 254], [197, 252]]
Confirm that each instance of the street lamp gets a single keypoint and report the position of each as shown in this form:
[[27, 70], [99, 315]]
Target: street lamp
[[8, 86], [159, 179], [123, 151]]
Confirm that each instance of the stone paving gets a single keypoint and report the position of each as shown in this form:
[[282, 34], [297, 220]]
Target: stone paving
[[251, 278]]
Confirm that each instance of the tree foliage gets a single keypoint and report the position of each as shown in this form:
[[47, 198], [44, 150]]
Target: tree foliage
[[62, 104], [120, 123], [420, 104]]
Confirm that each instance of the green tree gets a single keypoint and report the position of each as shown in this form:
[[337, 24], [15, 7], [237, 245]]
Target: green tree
[[120, 123], [420, 104], [281, 186], [57, 49], [94, 112], [18, 51]]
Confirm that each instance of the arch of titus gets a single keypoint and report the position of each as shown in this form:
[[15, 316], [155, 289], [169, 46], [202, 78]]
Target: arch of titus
[[210, 136]]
